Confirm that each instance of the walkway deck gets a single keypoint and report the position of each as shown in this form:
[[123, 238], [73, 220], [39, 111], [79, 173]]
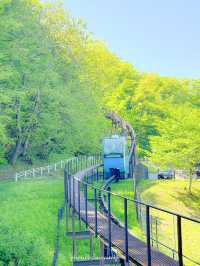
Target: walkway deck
[[137, 249]]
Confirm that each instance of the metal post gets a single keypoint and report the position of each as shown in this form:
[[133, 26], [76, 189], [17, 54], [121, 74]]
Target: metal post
[[91, 246], [69, 167], [95, 202], [97, 174], [81, 162], [179, 236], [126, 230], [86, 211], [79, 205], [109, 224], [73, 220], [65, 184], [148, 235], [41, 171], [70, 191], [77, 164]]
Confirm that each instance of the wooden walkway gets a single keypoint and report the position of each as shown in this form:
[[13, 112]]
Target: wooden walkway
[[137, 249]]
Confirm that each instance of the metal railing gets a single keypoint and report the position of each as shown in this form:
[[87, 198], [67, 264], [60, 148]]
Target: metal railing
[[127, 205]]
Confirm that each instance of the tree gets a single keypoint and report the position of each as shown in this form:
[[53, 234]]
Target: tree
[[46, 103], [178, 142]]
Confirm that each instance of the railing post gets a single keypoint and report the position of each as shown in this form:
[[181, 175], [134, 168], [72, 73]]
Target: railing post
[[65, 185], [109, 224], [148, 235], [86, 164], [73, 191], [77, 164], [70, 190], [81, 161], [97, 174], [79, 201], [41, 171], [95, 202], [126, 230], [179, 236], [72, 166], [86, 211]]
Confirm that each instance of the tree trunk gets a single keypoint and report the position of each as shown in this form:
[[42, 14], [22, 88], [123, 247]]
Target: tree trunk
[[190, 182], [17, 150]]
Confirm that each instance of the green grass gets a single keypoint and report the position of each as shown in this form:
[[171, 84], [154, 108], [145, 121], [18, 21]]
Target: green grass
[[171, 195], [28, 218], [125, 188]]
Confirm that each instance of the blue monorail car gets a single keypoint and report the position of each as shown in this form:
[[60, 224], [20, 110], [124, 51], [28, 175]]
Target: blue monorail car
[[115, 156]]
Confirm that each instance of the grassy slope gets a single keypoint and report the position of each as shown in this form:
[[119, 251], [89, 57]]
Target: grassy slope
[[173, 195], [28, 214], [170, 195], [28, 218]]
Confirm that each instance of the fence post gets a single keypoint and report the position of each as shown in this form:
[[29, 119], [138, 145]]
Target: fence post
[[41, 171], [109, 224], [65, 185], [97, 174], [126, 230], [86, 211], [16, 177], [79, 201], [81, 162], [179, 236], [95, 202], [148, 235], [70, 191]]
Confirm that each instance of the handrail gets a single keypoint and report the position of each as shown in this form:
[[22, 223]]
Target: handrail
[[138, 202]]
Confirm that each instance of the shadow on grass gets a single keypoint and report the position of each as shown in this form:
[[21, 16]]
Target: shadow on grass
[[191, 201]]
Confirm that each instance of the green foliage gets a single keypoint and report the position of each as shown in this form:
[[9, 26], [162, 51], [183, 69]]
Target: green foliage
[[46, 105]]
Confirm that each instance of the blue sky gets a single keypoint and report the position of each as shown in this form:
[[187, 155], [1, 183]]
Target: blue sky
[[160, 36]]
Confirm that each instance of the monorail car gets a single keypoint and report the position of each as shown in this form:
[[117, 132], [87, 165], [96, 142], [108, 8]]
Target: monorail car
[[115, 156]]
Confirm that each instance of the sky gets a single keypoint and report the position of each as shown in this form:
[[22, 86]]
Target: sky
[[160, 36]]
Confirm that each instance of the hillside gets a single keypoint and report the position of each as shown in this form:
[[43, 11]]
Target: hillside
[[169, 195]]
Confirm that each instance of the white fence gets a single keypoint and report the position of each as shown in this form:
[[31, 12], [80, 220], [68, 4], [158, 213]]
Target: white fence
[[41, 171]]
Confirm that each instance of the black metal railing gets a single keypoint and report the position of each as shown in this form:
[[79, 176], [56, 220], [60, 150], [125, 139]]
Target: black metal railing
[[86, 190]]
